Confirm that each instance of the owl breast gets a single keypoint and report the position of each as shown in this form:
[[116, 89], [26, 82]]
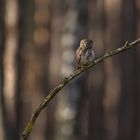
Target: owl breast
[[89, 56]]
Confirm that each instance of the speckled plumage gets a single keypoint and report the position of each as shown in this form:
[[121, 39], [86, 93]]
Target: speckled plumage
[[84, 53]]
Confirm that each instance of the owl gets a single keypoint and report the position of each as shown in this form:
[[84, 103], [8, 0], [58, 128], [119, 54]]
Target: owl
[[84, 53]]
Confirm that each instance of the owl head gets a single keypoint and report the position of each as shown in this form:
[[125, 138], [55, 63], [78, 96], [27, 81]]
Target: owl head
[[86, 43]]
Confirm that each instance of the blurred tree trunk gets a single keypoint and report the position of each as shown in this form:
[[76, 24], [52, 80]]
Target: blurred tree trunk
[[95, 81], [137, 75], [33, 62], [112, 68], [10, 69], [54, 64], [128, 115], [2, 40], [25, 70], [69, 111], [41, 38]]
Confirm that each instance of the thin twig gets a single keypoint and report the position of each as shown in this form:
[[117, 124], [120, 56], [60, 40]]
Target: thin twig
[[48, 98]]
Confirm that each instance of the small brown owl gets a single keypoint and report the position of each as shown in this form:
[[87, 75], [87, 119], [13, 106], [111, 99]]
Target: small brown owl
[[85, 53]]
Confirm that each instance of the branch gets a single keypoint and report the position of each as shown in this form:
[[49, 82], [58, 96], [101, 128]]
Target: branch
[[56, 90]]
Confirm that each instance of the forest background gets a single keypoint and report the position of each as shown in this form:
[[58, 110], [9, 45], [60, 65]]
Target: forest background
[[38, 40]]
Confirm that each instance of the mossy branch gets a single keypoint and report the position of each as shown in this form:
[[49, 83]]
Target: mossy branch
[[56, 90]]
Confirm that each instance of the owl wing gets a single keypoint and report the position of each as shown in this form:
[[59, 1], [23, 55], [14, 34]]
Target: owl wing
[[78, 55]]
